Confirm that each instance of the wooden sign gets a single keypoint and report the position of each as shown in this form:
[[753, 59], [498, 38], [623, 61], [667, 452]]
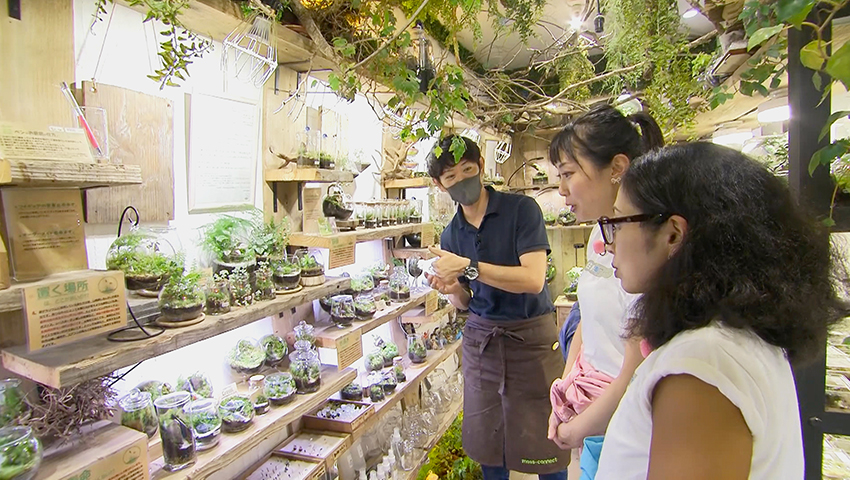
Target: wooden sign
[[110, 451], [428, 235], [312, 201], [341, 251], [19, 142], [45, 231], [431, 301], [349, 348], [64, 311]]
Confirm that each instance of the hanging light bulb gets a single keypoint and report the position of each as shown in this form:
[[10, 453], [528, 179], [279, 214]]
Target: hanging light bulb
[[426, 70], [251, 50]]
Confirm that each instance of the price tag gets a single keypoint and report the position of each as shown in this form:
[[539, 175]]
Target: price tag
[[56, 144], [431, 302], [341, 251], [428, 235], [229, 391], [349, 348]]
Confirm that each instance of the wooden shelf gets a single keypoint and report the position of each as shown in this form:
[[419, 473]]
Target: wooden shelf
[[445, 424], [423, 253], [233, 446], [308, 174], [45, 173], [417, 182], [423, 318], [302, 239], [415, 374], [93, 357], [327, 337]]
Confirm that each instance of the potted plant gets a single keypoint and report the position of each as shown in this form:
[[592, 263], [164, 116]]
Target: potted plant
[[205, 421], [264, 288], [143, 259], [20, 453], [218, 295], [342, 310], [241, 292], [352, 392], [280, 388], [182, 298], [364, 307], [269, 239], [228, 242], [261, 404], [275, 348], [312, 271], [246, 357], [286, 275], [197, 384], [237, 412]]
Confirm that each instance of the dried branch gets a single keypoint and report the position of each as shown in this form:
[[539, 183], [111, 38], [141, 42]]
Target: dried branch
[[309, 23], [391, 39]]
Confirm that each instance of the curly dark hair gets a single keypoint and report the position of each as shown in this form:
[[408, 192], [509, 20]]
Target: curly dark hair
[[604, 132], [751, 257]]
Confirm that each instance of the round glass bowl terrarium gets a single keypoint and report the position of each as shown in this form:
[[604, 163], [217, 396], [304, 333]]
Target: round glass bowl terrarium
[[342, 310], [20, 453], [246, 357], [197, 384], [336, 203], [286, 274], [175, 430], [137, 412], [182, 298], [206, 422], [227, 242], [362, 283], [364, 306], [399, 285], [11, 401], [312, 269], [305, 367], [145, 259], [237, 413], [280, 388], [155, 388], [275, 347]]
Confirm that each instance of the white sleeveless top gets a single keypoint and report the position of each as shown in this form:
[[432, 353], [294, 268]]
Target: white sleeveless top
[[754, 375], [604, 307]]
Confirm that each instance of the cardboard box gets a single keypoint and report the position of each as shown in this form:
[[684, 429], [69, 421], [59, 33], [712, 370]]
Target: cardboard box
[[111, 451]]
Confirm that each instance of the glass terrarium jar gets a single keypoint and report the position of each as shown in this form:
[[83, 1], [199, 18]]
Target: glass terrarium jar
[[206, 422], [371, 215], [415, 211], [11, 401], [145, 259], [20, 453], [398, 370], [550, 214], [304, 331], [280, 388], [182, 298], [287, 274], [305, 367], [342, 310], [362, 283], [399, 285], [197, 384], [175, 430], [228, 242], [217, 295], [326, 303], [308, 148], [237, 413], [364, 306], [379, 272], [247, 357], [155, 388], [416, 349], [336, 203], [241, 291], [275, 347], [264, 288], [312, 268], [389, 351], [137, 412]]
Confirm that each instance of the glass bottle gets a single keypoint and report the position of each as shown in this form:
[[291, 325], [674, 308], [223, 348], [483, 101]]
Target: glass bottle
[[11, 400], [416, 349], [342, 310], [137, 412], [398, 370], [364, 306], [304, 331], [205, 421], [305, 367], [178, 438], [20, 453], [218, 296], [264, 288], [399, 285]]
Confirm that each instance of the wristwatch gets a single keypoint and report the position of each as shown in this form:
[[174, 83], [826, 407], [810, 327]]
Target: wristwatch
[[471, 272]]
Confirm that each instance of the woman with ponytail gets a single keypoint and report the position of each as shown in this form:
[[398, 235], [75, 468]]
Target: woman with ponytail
[[592, 153]]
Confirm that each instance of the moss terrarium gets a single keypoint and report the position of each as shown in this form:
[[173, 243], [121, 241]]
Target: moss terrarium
[[137, 412], [398, 370], [336, 203], [11, 401], [182, 298], [566, 217], [352, 392], [389, 351], [280, 388], [550, 269], [364, 306], [326, 303], [155, 388], [217, 295], [205, 421], [362, 283], [549, 217], [227, 241], [416, 349], [145, 260], [369, 218], [374, 361], [237, 413], [197, 384], [20, 453], [247, 357], [379, 272], [305, 367], [342, 310], [175, 429], [275, 347], [269, 240], [389, 383], [312, 270], [286, 274], [304, 331], [264, 288], [540, 178], [261, 404], [399, 292], [376, 393]]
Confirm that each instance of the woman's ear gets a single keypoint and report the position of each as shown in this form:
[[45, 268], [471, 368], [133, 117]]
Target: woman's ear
[[619, 165], [677, 228]]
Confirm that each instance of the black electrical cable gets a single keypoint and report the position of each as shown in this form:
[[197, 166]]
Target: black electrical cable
[[524, 164], [121, 377]]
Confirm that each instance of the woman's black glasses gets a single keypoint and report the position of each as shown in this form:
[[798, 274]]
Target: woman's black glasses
[[607, 224]]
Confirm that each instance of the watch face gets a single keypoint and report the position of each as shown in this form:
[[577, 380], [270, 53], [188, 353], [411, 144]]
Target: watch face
[[471, 273]]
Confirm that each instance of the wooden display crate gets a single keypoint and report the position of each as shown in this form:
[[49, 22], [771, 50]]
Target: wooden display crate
[[313, 471], [313, 446], [313, 422]]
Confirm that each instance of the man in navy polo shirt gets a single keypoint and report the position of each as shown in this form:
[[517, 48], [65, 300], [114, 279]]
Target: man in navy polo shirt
[[493, 263]]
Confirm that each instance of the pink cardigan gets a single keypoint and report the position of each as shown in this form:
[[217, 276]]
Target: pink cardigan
[[574, 393]]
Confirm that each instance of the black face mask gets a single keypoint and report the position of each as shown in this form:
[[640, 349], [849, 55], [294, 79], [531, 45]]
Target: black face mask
[[467, 191]]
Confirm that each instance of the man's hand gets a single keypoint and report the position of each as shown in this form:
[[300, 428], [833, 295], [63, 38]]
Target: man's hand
[[449, 287], [449, 266]]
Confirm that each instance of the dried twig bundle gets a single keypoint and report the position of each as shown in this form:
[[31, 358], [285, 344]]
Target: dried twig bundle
[[57, 414]]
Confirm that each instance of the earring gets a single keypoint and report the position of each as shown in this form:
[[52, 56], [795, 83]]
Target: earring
[[615, 180]]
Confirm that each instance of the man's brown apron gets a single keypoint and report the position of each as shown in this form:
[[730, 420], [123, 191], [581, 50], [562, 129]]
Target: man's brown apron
[[508, 368]]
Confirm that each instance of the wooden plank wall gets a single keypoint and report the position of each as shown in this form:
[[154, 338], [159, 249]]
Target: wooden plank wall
[[565, 255], [36, 54], [141, 132]]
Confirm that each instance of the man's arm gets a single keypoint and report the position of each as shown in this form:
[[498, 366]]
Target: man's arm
[[528, 277], [458, 294]]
